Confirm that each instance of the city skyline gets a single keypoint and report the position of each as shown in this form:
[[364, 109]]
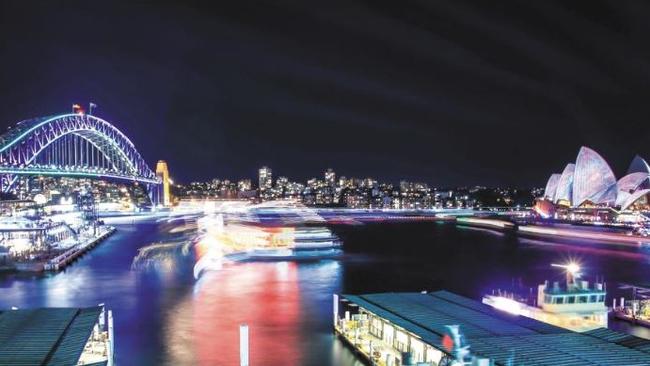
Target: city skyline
[[332, 190], [254, 179], [391, 91]]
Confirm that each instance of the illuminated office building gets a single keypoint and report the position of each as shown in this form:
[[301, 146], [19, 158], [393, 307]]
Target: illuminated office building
[[265, 178], [330, 177]]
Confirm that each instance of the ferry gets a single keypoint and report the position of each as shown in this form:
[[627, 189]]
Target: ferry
[[576, 305], [295, 243], [237, 241]]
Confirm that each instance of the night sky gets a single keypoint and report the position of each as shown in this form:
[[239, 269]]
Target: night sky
[[449, 93]]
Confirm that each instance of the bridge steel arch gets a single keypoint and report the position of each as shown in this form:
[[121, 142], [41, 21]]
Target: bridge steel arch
[[71, 145]]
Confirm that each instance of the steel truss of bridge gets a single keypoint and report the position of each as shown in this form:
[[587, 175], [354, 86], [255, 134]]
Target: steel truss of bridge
[[73, 145]]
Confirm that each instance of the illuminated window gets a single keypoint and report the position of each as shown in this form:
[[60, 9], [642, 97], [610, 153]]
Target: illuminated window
[[376, 327], [401, 341]]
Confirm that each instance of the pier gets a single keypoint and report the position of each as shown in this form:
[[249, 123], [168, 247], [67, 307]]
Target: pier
[[595, 234], [64, 259]]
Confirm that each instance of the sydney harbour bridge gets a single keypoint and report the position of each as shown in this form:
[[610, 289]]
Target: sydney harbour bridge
[[73, 145]]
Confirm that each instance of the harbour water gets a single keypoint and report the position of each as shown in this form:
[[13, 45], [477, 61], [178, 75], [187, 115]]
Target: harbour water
[[164, 316]]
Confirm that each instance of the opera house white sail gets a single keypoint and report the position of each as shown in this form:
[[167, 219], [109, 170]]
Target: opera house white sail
[[551, 186], [638, 165], [591, 182], [593, 179], [564, 190]]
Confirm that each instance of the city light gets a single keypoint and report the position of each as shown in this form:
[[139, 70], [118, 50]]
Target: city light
[[381, 183]]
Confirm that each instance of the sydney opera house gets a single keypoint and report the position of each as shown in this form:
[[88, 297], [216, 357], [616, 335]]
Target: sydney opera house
[[590, 183]]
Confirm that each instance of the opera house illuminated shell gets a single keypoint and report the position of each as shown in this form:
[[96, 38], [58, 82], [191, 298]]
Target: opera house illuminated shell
[[590, 182]]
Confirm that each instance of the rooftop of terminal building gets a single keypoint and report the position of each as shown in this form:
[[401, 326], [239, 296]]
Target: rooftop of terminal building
[[46, 336], [504, 338]]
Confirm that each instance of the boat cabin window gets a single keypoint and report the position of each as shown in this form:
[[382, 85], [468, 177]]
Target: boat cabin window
[[593, 298], [570, 299], [582, 299], [601, 298], [559, 300]]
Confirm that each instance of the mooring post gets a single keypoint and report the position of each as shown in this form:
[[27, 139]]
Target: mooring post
[[243, 345], [111, 339], [335, 309]]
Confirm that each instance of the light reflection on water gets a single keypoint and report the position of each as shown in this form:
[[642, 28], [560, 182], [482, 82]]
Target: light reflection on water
[[223, 300], [276, 300]]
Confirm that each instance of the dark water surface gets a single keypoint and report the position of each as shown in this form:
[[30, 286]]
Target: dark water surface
[[164, 316]]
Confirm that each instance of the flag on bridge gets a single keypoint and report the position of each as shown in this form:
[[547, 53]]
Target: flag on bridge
[[76, 108]]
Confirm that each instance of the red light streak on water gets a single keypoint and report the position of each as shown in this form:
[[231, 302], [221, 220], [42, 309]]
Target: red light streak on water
[[263, 295]]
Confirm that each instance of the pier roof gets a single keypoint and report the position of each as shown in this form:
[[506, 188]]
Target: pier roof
[[45, 336], [502, 337]]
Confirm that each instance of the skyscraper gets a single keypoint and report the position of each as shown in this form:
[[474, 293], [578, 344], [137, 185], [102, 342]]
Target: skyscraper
[[330, 177], [265, 178], [244, 185]]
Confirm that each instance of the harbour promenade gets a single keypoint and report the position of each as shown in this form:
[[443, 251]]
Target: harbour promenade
[[593, 234]]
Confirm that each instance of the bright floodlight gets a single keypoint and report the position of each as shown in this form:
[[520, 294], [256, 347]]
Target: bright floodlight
[[571, 267]]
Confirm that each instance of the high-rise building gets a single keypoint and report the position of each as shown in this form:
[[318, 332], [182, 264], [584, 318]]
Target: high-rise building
[[281, 182], [265, 178], [163, 173], [330, 177], [343, 182], [244, 185]]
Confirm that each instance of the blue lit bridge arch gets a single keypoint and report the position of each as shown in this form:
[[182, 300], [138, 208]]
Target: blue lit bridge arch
[[75, 145]]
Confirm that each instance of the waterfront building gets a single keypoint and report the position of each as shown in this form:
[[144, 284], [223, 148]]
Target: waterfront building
[[439, 328], [107, 195], [22, 236], [56, 336]]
